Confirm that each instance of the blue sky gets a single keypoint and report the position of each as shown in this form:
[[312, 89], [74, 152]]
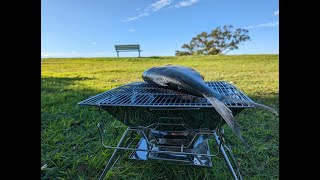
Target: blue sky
[[91, 28]]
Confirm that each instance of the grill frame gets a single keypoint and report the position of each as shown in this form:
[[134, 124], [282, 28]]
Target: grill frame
[[142, 94], [138, 115]]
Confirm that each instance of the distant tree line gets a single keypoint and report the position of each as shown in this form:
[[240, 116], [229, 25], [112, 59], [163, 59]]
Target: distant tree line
[[218, 41]]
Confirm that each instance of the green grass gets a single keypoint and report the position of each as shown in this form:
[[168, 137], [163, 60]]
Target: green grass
[[70, 145]]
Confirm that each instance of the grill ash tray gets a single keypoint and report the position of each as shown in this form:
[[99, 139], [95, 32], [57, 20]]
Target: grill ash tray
[[197, 160], [176, 142]]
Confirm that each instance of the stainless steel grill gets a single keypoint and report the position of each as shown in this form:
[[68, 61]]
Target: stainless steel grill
[[171, 126], [144, 95]]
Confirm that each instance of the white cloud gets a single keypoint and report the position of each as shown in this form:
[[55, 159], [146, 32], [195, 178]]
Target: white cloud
[[131, 30], [94, 43], [185, 3], [44, 55], [160, 4], [150, 8], [276, 13], [142, 14], [270, 24]]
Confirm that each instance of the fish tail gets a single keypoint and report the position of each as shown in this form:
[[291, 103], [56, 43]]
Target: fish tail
[[226, 114], [251, 103]]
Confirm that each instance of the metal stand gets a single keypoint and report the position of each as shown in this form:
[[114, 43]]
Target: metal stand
[[114, 157], [187, 147], [225, 157]]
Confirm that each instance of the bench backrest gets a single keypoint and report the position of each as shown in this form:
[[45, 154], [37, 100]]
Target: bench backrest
[[128, 47]]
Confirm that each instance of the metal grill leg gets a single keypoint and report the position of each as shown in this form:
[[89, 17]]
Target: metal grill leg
[[225, 157], [234, 161], [110, 164], [111, 161]]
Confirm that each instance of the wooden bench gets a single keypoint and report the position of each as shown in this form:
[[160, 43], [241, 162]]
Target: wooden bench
[[126, 48]]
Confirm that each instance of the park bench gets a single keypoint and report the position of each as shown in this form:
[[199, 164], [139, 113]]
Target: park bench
[[126, 48]]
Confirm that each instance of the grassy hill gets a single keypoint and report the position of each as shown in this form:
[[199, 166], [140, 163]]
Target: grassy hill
[[70, 145]]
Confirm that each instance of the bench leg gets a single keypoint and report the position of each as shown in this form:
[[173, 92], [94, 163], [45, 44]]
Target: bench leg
[[117, 53], [139, 53]]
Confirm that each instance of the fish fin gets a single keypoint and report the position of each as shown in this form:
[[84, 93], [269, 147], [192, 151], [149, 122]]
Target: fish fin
[[226, 114], [228, 98]]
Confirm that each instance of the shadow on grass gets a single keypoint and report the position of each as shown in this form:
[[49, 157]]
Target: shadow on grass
[[71, 149], [67, 132], [55, 84]]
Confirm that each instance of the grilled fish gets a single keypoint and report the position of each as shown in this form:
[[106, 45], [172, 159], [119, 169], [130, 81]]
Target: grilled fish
[[187, 80]]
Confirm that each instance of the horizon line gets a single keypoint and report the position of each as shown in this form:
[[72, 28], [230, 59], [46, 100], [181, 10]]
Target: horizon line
[[165, 56]]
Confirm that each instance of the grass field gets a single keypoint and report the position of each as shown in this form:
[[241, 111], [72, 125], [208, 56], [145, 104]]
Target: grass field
[[70, 146]]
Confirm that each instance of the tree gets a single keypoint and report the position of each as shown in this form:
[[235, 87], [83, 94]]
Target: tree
[[183, 53], [218, 41]]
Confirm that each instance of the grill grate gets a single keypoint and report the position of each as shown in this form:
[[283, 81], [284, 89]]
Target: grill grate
[[146, 95]]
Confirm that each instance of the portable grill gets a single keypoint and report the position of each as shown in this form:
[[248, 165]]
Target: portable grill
[[166, 125]]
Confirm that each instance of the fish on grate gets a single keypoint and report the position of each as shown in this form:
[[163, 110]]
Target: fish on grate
[[187, 80]]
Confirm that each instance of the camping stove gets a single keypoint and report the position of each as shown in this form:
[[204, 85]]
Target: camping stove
[[167, 126]]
